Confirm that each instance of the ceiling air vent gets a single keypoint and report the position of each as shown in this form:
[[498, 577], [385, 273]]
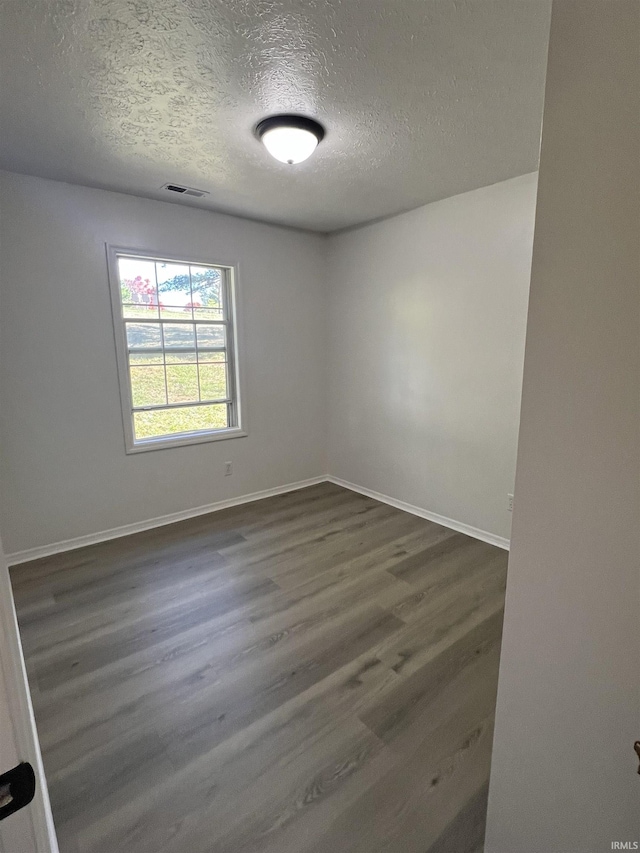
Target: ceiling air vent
[[190, 191]]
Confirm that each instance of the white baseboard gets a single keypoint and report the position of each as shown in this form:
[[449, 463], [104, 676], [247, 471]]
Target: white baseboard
[[459, 526], [160, 521]]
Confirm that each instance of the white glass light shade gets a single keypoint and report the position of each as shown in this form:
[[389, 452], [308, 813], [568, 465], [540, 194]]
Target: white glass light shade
[[290, 144]]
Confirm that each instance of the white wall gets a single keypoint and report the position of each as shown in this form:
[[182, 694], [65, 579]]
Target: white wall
[[63, 470], [428, 314], [564, 771]]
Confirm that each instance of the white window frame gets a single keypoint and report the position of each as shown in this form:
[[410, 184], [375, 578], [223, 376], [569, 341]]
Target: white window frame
[[119, 327]]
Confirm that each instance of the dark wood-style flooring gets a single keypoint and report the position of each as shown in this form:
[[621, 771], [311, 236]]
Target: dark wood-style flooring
[[311, 673]]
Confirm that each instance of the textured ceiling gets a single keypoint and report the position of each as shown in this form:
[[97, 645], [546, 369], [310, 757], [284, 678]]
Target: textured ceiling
[[422, 99]]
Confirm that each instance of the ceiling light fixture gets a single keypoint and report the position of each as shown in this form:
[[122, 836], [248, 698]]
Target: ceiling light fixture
[[290, 138]]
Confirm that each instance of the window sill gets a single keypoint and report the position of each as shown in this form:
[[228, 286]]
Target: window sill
[[184, 440]]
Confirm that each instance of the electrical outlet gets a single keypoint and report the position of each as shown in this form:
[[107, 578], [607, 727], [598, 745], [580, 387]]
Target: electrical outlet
[[228, 469], [510, 503]]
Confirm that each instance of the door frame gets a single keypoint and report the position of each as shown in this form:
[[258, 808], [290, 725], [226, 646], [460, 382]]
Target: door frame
[[21, 718]]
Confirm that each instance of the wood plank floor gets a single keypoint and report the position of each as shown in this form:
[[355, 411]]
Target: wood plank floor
[[310, 673]]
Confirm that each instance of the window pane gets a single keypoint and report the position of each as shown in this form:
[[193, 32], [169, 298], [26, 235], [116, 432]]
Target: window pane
[[136, 359], [182, 383], [137, 288], [147, 386], [179, 420], [146, 312], [213, 381], [179, 335], [207, 357], [144, 335], [211, 336], [175, 312], [207, 293], [204, 313], [174, 291], [181, 357]]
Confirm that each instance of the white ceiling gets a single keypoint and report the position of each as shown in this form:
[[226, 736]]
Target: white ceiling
[[421, 99]]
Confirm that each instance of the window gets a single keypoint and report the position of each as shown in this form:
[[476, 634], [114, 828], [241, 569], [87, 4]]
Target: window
[[175, 342]]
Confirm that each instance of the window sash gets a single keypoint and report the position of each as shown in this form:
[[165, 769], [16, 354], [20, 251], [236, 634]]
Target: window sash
[[198, 350]]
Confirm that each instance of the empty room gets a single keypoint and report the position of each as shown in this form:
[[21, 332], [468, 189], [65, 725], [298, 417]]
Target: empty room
[[318, 426]]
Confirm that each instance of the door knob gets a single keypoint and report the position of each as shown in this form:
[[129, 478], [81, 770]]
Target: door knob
[[17, 788]]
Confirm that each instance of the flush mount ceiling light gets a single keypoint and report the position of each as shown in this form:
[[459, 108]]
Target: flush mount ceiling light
[[289, 138]]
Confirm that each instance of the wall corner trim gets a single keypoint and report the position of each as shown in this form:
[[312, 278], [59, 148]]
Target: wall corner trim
[[459, 526]]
